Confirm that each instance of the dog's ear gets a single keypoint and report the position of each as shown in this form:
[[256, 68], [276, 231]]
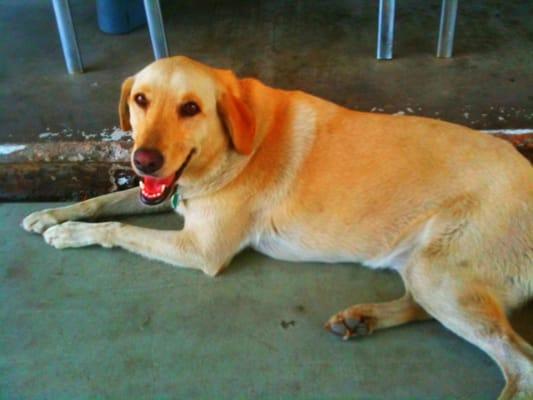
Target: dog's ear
[[123, 108], [238, 121]]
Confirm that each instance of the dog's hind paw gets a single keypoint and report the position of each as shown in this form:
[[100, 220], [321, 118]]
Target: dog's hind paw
[[350, 323]]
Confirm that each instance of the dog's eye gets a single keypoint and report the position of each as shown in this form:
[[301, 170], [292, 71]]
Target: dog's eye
[[141, 100], [189, 109]]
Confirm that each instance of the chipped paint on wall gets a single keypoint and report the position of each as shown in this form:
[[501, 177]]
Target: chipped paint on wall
[[46, 135], [509, 131], [11, 148], [113, 134]]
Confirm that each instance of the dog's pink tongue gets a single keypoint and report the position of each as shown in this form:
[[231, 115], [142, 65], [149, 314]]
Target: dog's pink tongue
[[155, 185]]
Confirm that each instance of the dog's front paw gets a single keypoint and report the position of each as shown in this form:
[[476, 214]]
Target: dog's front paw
[[351, 323], [40, 221], [80, 234]]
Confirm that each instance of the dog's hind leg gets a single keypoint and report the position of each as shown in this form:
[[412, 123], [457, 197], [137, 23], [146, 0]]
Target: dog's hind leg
[[114, 204], [470, 307], [363, 319]]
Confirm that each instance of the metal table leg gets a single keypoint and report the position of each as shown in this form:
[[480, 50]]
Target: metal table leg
[[385, 29], [67, 35], [448, 16], [157, 30]]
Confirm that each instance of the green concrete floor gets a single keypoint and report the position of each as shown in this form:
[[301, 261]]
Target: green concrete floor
[[94, 323]]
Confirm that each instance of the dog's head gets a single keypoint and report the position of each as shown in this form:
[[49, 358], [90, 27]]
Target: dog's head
[[185, 117]]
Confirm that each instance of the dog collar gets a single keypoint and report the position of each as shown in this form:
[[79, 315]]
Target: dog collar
[[175, 200]]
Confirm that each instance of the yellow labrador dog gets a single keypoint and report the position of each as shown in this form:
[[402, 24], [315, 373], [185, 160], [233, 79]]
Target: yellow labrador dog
[[299, 178]]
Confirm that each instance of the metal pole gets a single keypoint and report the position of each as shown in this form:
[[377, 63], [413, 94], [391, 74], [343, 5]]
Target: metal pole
[[67, 35], [157, 30], [385, 29], [448, 16]]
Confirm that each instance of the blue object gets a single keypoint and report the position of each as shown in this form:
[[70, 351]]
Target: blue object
[[385, 29], [156, 27], [448, 18], [120, 16], [67, 34]]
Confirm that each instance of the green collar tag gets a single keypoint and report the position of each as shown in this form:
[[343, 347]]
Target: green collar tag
[[175, 199]]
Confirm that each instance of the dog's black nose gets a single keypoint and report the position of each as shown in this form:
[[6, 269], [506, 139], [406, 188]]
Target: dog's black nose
[[148, 160]]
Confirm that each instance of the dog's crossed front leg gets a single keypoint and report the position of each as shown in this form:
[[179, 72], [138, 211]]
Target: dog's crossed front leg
[[125, 202], [207, 247]]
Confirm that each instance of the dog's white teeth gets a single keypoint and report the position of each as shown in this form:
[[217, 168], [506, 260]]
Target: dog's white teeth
[[157, 194], [153, 195]]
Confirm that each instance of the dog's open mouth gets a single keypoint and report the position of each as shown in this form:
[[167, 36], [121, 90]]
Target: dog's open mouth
[[156, 190]]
